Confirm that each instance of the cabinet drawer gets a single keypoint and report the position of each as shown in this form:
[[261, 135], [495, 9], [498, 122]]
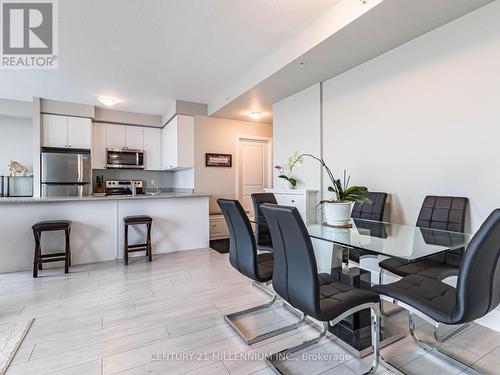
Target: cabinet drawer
[[216, 227], [298, 201]]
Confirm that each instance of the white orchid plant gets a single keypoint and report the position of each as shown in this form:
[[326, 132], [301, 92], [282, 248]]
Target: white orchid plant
[[285, 170]]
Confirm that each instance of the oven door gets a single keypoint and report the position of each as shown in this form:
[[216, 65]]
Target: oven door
[[126, 159]]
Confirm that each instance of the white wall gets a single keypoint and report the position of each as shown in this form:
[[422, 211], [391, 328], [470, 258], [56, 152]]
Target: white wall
[[16, 142], [423, 118], [296, 127], [219, 135], [16, 108]]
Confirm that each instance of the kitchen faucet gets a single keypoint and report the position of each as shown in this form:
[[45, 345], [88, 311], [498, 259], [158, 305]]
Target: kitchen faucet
[[132, 188]]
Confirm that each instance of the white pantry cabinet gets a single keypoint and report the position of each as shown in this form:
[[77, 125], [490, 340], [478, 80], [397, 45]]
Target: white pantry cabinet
[[178, 143], [66, 131], [152, 149], [99, 146]]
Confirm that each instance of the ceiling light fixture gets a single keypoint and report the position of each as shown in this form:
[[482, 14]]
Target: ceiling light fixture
[[107, 100], [256, 115]]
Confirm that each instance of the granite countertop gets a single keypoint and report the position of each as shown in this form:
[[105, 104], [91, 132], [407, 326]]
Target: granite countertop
[[164, 195]]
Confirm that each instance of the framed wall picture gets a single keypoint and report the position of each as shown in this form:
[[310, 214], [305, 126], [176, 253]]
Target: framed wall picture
[[218, 160]]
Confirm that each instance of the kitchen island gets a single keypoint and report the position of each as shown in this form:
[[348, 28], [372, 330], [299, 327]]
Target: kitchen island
[[180, 222]]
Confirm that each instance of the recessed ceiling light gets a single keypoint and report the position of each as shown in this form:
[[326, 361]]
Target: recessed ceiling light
[[256, 115], [107, 100]]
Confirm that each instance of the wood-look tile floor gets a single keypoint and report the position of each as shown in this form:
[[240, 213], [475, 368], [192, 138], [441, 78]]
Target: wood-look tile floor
[[165, 317]]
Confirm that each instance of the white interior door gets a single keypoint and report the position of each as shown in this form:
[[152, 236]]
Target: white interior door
[[254, 170]]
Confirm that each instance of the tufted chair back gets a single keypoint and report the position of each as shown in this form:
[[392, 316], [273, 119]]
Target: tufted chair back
[[478, 285], [262, 233], [370, 211], [445, 213], [242, 247], [295, 274]]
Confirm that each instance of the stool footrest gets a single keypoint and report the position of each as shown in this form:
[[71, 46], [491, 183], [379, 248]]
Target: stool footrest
[[136, 250], [61, 259], [50, 255], [137, 246]]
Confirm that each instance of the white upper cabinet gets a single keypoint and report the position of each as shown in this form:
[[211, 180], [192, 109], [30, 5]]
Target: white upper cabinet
[[64, 131], [134, 137], [79, 132], [124, 136], [99, 146], [178, 143], [152, 149], [54, 131], [115, 136]]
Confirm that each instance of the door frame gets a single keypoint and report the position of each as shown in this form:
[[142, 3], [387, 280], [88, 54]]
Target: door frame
[[241, 138]]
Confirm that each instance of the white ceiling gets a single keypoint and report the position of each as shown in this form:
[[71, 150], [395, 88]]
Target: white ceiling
[[387, 25], [149, 52]]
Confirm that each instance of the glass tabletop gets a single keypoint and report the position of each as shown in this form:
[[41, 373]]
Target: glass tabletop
[[405, 242]]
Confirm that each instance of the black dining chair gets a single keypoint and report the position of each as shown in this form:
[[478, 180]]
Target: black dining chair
[[476, 294], [373, 210], [243, 256], [296, 280], [262, 235], [437, 212]]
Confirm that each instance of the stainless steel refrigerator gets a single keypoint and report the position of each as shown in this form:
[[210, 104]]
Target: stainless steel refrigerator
[[65, 172]]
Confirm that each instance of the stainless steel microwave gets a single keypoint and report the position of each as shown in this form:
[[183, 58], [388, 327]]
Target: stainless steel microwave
[[124, 158]]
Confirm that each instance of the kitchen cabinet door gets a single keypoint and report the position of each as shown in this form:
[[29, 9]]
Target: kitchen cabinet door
[[115, 136], [170, 145], [134, 137], [152, 149], [185, 142], [79, 132], [99, 146], [54, 131]]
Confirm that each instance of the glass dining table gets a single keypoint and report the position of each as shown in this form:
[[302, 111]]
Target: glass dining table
[[406, 243]]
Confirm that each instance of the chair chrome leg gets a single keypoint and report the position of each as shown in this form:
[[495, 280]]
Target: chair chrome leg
[[254, 339], [262, 287], [375, 331], [435, 351], [442, 337], [285, 354], [384, 313]]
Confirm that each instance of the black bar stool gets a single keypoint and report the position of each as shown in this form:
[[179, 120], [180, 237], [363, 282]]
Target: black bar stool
[[39, 258], [138, 220]]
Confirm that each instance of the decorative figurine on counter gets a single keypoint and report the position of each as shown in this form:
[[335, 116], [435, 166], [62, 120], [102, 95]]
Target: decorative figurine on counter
[[16, 167]]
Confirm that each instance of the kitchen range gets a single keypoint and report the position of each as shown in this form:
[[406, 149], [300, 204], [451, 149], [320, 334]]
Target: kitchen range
[[123, 187]]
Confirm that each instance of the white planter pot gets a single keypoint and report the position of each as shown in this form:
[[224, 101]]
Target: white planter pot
[[286, 184], [337, 214]]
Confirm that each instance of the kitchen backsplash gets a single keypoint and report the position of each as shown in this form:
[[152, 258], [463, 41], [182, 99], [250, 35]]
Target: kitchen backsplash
[[165, 181], [152, 179]]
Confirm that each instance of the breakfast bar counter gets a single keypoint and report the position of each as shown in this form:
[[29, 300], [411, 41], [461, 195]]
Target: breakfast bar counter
[[180, 223]]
